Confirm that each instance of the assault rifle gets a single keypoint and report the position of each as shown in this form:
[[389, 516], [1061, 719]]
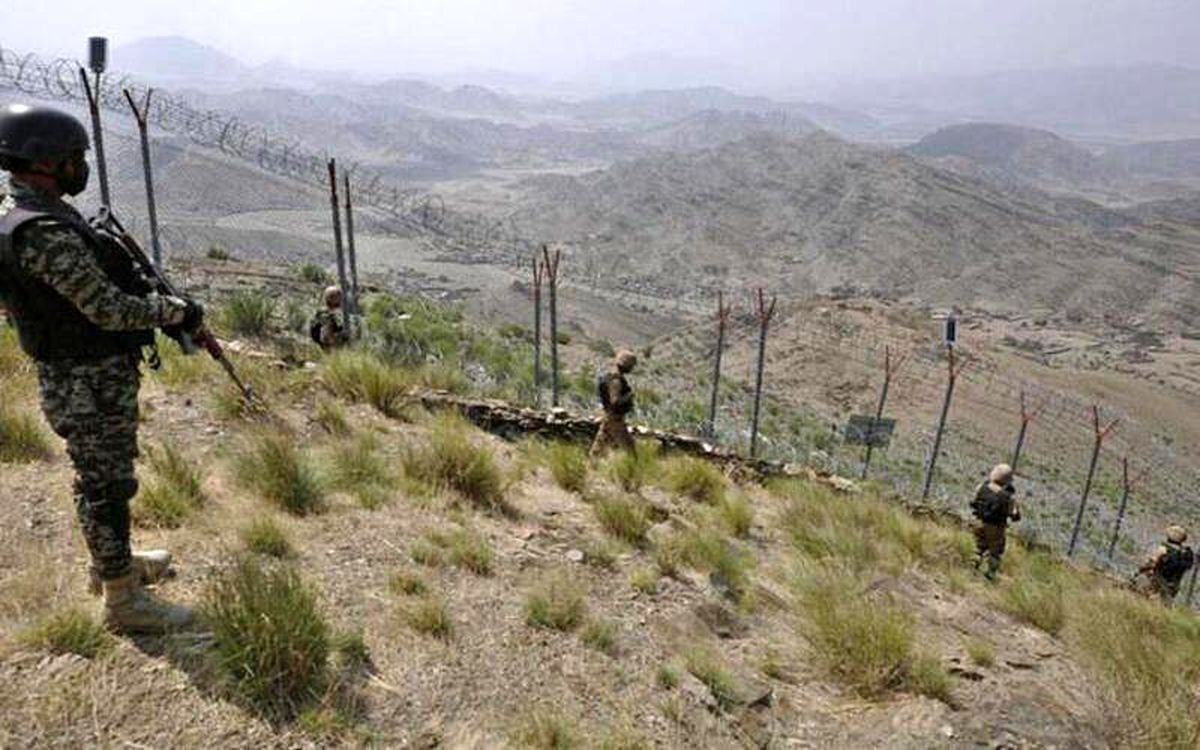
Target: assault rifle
[[189, 341]]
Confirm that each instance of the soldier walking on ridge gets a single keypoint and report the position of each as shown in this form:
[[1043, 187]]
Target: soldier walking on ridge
[[993, 507], [83, 311], [326, 328], [616, 398], [1166, 566]]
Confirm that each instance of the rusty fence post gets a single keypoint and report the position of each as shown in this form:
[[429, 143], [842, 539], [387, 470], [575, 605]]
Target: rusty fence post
[[337, 241], [351, 257], [539, 276], [1126, 489], [723, 312], [140, 114], [953, 370], [888, 372], [551, 267], [764, 311], [1099, 435], [93, 97], [1027, 418]]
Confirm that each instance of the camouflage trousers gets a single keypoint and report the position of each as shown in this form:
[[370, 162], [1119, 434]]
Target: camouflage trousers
[[990, 539], [612, 433], [92, 404]]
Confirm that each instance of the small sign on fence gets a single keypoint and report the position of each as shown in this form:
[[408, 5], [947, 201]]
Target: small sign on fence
[[863, 429]]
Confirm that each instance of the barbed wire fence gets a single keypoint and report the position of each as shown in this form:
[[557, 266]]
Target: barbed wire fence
[[408, 210]]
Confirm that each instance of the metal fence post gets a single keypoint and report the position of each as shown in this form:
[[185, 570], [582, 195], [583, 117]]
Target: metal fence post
[[1026, 418], [883, 394], [337, 240], [764, 312], [351, 258], [539, 275], [954, 371], [93, 98], [723, 311], [1125, 484], [140, 115], [551, 262], [1100, 434]]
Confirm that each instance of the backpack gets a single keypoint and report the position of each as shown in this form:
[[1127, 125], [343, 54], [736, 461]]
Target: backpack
[[1175, 563], [990, 506], [314, 330]]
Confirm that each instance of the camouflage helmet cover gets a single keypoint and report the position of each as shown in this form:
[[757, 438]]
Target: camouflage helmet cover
[[625, 360], [1176, 534], [40, 133], [1001, 474], [332, 295]]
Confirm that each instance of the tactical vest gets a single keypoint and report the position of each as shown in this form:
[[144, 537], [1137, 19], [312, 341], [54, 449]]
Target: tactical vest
[[624, 403], [1177, 561], [49, 326]]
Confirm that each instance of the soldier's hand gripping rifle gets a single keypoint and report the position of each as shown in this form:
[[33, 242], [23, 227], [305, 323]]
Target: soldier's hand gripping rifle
[[189, 341]]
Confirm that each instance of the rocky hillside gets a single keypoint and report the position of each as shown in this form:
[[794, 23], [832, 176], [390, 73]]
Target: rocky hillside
[[820, 212], [372, 574]]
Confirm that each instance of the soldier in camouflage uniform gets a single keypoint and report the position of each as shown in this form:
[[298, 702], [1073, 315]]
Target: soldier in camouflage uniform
[[1164, 569], [83, 312], [326, 327], [616, 399], [993, 507]]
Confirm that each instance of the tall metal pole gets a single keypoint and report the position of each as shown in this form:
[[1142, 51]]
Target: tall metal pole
[[1192, 584], [954, 372], [1100, 434], [337, 240], [552, 276], [539, 273], [93, 97], [887, 382], [352, 258], [765, 313], [710, 427], [1026, 418], [141, 114], [1112, 545]]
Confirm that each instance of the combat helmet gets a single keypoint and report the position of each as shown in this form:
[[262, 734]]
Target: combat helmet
[[332, 295], [625, 360], [1001, 474], [34, 134], [1176, 534]]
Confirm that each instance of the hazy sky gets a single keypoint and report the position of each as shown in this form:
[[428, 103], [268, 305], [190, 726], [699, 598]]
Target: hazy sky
[[772, 40]]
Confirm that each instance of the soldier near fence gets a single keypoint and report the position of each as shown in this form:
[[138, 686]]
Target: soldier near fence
[[994, 506], [83, 312], [1164, 568], [326, 327], [616, 401]]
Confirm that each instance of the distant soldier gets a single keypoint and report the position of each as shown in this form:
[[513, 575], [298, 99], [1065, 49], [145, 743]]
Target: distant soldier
[[993, 507], [616, 398], [83, 311], [1166, 566], [326, 328]]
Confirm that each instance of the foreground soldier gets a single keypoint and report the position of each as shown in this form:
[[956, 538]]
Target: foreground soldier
[[994, 506], [83, 312], [1166, 566], [616, 398], [326, 327]]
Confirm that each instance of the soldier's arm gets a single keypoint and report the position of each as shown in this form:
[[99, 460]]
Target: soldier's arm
[[1015, 513], [1152, 561], [59, 257]]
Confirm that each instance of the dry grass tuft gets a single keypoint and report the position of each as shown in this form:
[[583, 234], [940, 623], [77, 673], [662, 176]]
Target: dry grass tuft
[[556, 601], [633, 469], [450, 459], [707, 667], [22, 439], [359, 376], [70, 631], [623, 516], [695, 479], [264, 537], [358, 468], [429, 615], [173, 493], [543, 730], [271, 465], [600, 635], [464, 548]]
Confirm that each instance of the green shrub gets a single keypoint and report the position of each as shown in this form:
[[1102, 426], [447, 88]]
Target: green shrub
[[449, 458], [407, 584], [173, 493], [707, 667], [359, 376], [695, 479], [600, 635], [736, 515], [429, 616], [644, 580], [271, 465], [601, 552], [667, 677], [271, 641], [313, 274], [568, 465], [264, 537], [622, 516], [926, 676], [248, 313], [556, 601], [22, 439], [632, 469], [356, 467], [351, 649], [332, 417], [465, 549], [981, 652], [216, 252], [71, 631]]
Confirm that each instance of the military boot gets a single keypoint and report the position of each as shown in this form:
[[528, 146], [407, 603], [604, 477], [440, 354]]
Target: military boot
[[150, 566], [130, 608]]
